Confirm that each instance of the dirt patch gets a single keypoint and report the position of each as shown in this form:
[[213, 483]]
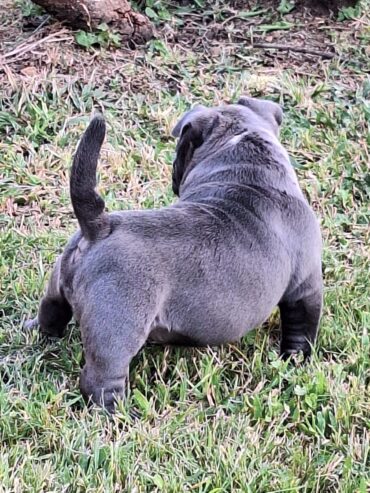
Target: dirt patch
[[35, 46], [323, 7], [315, 7], [236, 32]]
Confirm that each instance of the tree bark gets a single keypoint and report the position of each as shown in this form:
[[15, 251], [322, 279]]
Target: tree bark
[[88, 14]]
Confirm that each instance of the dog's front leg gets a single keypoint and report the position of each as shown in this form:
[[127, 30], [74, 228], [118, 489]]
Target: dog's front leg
[[300, 319]]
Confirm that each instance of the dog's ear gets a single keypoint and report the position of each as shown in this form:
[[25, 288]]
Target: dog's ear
[[193, 129], [186, 118], [268, 110]]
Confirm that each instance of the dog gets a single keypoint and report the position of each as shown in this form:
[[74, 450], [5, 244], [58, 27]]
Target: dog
[[240, 240]]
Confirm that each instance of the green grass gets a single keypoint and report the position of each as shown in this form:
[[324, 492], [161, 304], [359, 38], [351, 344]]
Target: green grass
[[227, 419]]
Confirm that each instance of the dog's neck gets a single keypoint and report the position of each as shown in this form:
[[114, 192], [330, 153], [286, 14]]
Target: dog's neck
[[202, 169]]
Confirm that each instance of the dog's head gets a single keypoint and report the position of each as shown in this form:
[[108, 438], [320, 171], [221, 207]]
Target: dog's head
[[207, 129]]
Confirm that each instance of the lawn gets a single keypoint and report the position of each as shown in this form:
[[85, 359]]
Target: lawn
[[219, 419]]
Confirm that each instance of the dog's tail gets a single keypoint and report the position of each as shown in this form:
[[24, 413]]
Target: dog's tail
[[88, 206]]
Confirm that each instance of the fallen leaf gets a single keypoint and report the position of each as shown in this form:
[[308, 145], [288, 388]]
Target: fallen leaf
[[29, 71]]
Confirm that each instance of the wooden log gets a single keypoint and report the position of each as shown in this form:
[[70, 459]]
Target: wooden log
[[88, 14]]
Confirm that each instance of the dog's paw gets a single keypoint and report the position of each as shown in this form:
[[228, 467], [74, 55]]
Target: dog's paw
[[30, 324], [104, 392], [296, 357]]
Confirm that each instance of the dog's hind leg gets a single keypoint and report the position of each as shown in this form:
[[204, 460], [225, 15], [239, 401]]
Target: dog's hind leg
[[54, 312], [300, 319], [111, 338]]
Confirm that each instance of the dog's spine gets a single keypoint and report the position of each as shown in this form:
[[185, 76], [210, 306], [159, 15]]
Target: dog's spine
[[88, 206]]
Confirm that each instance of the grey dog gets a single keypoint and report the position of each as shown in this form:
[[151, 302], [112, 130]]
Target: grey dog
[[240, 240]]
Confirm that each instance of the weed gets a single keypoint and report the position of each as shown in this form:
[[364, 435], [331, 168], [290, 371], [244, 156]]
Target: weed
[[102, 37]]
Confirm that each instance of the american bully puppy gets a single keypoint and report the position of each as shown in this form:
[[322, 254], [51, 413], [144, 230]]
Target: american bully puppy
[[240, 240]]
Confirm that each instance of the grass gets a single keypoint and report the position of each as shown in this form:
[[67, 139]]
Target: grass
[[227, 419]]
